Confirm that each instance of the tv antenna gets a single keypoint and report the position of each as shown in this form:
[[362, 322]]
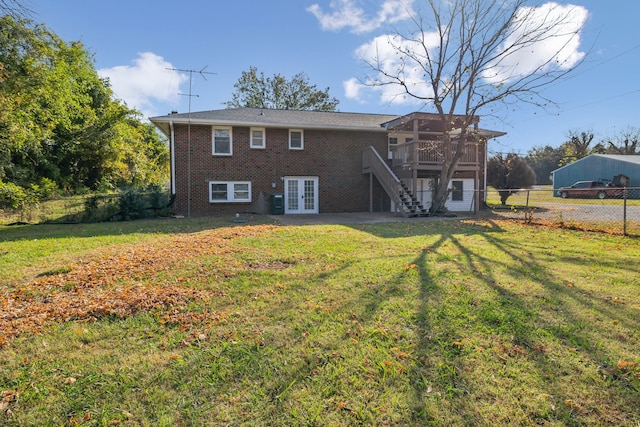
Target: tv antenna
[[190, 95]]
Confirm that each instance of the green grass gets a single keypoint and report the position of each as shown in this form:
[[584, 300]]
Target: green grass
[[539, 206], [544, 195], [25, 249], [54, 210], [427, 323]]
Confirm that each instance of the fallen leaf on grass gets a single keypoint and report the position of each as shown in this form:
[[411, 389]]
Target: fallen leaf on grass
[[572, 404], [9, 395], [623, 365], [87, 291], [6, 397]]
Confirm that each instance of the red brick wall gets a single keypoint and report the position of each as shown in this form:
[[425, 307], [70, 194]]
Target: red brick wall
[[335, 157]]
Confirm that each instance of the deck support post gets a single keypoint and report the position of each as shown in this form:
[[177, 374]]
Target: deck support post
[[370, 191]]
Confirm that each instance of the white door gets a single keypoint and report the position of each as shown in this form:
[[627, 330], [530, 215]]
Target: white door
[[301, 195]]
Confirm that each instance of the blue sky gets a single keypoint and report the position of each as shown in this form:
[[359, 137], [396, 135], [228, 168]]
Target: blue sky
[[135, 42]]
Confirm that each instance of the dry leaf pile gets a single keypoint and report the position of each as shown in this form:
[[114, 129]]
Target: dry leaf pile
[[119, 283]]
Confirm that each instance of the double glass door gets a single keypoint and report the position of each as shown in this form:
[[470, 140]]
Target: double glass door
[[301, 195]]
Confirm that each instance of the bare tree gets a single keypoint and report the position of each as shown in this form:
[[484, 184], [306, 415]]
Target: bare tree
[[466, 57], [14, 8], [626, 142], [578, 146]]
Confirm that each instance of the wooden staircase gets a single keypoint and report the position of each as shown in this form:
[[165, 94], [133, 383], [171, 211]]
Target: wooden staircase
[[412, 206], [402, 197]]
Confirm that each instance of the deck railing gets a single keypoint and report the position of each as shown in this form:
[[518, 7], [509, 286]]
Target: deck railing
[[430, 154]]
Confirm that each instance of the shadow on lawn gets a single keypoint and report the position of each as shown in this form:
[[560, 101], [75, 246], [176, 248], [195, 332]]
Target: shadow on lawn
[[155, 225], [520, 324], [449, 309], [434, 226]]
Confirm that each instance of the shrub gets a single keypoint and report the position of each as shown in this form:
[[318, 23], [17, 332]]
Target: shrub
[[48, 189], [12, 196], [159, 200], [132, 204], [128, 204], [509, 175]]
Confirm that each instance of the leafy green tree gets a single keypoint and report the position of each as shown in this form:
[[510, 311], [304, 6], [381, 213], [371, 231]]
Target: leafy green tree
[[509, 175], [139, 154], [543, 161], [255, 90], [59, 122], [23, 72]]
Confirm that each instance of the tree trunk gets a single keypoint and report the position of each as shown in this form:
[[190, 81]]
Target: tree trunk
[[504, 195], [449, 165]]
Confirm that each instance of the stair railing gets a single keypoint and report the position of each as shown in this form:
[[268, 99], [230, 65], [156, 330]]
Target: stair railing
[[372, 162]]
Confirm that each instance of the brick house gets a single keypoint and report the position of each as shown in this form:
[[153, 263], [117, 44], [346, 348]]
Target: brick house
[[285, 161]]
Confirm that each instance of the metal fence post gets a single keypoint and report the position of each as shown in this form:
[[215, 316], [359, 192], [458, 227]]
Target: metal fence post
[[624, 212]]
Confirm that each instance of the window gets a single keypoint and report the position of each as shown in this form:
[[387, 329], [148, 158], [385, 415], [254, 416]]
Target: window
[[456, 191], [393, 141], [257, 138], [222, 141], [296, 139], [229, 192]]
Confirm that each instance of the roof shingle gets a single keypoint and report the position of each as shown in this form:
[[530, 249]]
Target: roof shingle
[[280, 118]]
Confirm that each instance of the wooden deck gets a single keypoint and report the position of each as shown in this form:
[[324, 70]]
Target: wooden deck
[[429, 155]]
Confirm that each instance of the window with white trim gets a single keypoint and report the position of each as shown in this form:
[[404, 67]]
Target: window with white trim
[[222, 141], [229, 191], [296, 139], [257, 138]]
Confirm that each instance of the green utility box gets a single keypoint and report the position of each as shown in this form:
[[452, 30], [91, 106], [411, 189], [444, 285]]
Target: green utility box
[[277, 204]]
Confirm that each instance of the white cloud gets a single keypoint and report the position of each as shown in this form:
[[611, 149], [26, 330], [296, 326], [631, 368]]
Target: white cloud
[[382, 51], [353, 89], [145, 83], [346, 14], [542, 50], [385, 52]]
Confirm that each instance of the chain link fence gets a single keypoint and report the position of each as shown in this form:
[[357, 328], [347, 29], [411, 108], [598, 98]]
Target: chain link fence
[[90, 208], [616, 212]]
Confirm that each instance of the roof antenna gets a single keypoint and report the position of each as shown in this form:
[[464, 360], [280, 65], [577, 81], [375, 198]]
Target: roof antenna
[[190, 95]]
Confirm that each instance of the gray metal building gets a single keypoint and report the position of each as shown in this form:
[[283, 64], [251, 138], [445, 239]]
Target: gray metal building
[[597, 167]]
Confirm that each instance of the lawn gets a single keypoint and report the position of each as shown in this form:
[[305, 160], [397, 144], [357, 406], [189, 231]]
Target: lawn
[[207, 322], [544, 195]]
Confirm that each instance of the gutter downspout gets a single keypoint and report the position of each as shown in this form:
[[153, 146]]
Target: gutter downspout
[[172, 154], [484, 190]]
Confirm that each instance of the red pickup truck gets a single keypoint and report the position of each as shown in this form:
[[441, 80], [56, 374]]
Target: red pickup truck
[[591, 189]]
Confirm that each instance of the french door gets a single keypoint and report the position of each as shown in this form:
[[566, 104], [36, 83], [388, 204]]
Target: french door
[[301, 195]]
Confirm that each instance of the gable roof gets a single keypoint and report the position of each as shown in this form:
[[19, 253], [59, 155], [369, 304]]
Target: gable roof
[[627, 158], [278, 118]]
